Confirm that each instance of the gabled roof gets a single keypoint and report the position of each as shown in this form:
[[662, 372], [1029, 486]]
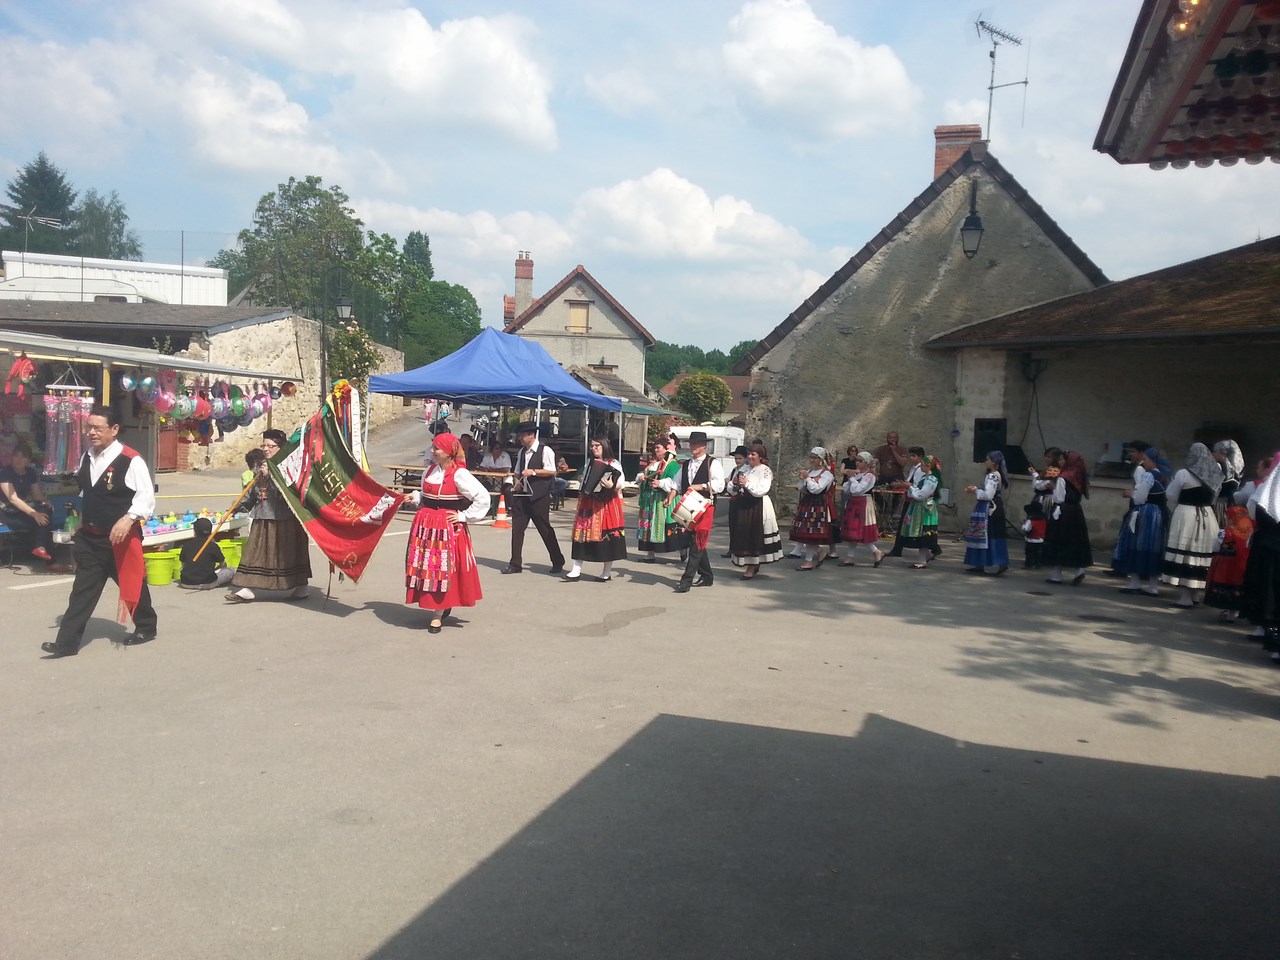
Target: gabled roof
[[1235, 293], [976, 156], [578, 273], [143, 317]]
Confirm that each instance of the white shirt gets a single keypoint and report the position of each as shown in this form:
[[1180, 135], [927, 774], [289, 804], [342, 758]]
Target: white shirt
[[817, 481], [859, 484], [759, 480], [715, 476], [990, 488], [538, 456], [1143, 481], [1184, 479], [137, 478], [468, 486], [502, 463]]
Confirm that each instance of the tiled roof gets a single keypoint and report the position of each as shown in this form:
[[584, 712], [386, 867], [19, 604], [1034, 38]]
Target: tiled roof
[[148, 317], [612, 385], [739, 388], [976, 156], [578, 273], [1231, 294]]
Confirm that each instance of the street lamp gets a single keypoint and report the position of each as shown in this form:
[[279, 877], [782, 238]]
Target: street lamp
[[343, 307], [971, 231]]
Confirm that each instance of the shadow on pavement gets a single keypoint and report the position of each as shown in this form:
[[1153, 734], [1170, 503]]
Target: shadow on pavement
[[717, 841]]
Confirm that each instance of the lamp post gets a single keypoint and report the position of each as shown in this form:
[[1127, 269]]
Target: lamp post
[[971, 231]]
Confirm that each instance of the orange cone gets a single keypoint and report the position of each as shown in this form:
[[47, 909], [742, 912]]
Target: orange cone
[[501, 522]]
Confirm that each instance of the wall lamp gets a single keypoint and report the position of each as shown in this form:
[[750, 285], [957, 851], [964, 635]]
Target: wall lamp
[[971, 231]]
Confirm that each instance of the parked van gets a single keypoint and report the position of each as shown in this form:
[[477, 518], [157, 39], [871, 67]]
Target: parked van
[[721, 442]]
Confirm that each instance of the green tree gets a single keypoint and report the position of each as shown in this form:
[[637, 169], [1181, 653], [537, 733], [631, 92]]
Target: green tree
[[439, 318], [102, 228], [704, 396], [417, 254], [740, 350], [41, 190]]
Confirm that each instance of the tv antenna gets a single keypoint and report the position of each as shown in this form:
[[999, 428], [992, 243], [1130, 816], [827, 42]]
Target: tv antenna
[[997, 36], [29, 220]]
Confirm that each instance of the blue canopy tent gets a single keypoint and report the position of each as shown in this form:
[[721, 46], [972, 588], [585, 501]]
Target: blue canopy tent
[[495, 369]]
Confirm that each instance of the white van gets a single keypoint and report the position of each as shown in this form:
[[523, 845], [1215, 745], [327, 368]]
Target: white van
[[721, 442]]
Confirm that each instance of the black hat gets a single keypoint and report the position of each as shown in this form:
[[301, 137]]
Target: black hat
[[741, 451], [528, 426], [698, 436]]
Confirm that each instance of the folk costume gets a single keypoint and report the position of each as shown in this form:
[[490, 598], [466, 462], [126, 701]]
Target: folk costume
[[986, 542], [277, 554], [1139, 549], [529, 501], [1231, 460], [1224, 587], [754, 535], [114, 484], [656, 529], [1193, 528], [1261, 601], [1066, 535], [599, 527], [705, 473], [440, 565], [814, 523], [858, 525], [920, 522]]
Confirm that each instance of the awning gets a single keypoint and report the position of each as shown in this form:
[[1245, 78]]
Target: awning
[[611, 385], [41, 346]]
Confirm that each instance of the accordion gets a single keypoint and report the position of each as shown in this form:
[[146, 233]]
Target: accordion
[[593, 479]]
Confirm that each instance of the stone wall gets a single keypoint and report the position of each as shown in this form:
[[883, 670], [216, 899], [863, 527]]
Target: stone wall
[[856, 367], [290, 348]]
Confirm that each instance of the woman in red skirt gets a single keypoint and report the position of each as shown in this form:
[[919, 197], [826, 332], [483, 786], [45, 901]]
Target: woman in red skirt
[[814, 524], [599, 530], [440, 567], [859, 523]]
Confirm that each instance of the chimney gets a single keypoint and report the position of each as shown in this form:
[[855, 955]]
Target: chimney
[[950, 144], [524, 281], [508, 309]]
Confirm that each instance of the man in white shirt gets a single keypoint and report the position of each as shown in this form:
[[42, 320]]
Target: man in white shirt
[[529, 498], [705, 475], [118, 496]]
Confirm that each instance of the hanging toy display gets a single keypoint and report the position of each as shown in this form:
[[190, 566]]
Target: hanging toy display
[[147, 391], [50, 433], [67, 404]]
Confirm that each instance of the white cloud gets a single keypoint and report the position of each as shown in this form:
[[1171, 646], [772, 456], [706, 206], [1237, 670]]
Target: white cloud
[[662, 215], [965, 111], [479, 236], [624, 91], [799, 73]]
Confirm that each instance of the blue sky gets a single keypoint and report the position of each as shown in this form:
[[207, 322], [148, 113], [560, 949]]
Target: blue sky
[[711, 163]]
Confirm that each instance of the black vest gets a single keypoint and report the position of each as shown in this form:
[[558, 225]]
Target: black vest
[[527, 459], [109, 499], [703, 475]]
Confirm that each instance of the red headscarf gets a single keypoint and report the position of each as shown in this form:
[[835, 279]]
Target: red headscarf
[[451, 446], [1076, 473]]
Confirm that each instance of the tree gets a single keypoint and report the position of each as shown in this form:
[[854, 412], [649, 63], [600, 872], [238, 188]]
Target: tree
[[740, 350], [102, 228], [704, 396], [417, 254], [439, 318], [40, 189]]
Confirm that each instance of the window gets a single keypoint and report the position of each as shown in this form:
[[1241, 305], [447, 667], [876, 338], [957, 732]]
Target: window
[[578, 316]]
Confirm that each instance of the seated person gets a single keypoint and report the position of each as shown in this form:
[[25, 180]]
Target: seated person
[[22, 503], [559, 483], [211, 569], [496, 459]]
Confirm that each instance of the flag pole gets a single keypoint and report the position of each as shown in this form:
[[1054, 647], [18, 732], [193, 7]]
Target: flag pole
[[223, 520]]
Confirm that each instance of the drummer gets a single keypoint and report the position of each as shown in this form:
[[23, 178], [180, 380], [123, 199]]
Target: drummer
[[704, 475]]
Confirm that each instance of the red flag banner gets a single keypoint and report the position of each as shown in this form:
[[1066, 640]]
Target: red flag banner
[[343, 509]]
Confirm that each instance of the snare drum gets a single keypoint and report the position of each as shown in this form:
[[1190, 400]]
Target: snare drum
[[689, 508]]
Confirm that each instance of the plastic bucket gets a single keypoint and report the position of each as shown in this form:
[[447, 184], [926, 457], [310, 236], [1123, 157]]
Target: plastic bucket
[[160, 565], [231, 549]]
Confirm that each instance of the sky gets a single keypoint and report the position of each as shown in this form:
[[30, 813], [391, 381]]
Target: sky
[[711, 163]]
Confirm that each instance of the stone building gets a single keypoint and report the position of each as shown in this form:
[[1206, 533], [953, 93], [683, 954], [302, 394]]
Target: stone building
[[268, 339], [850, 364]]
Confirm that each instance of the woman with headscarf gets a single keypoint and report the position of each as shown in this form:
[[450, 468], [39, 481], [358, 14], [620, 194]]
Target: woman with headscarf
[[858, 524], [754, 537], [986, 544], [1231, 460], [814, 524], [1139, 549], [1193, 529], [599, 528], [920, 521], [440, 567], [1260, 601], [656, 530], [277, 553], [1066, 535]]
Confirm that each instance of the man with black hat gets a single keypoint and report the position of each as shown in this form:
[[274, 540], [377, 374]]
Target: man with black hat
[[529, 498], [704, 474]]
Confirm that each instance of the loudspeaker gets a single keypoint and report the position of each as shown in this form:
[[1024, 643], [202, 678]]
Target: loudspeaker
[[989, 433], [1015, 461]]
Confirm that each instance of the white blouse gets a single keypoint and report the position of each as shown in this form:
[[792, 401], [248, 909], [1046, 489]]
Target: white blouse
[[1184, 479], [1143, 481], [990, 488], [468, 486], [922, 489], [759, 480], [860, 484], [816, 482]]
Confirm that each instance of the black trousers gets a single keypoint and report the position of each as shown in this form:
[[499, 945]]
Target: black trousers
[[95, 565], [525, 510], [27, 528], [698, 563]]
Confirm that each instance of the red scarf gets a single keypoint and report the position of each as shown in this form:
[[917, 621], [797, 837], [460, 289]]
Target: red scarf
[[130, 568]]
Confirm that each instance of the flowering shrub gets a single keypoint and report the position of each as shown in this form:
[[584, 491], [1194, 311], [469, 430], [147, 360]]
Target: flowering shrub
[[353, 354]]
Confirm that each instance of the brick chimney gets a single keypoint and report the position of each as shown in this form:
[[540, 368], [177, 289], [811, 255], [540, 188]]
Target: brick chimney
[[950, 144], [524, 281]]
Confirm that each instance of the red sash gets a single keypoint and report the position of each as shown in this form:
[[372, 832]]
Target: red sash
[[130, 568]]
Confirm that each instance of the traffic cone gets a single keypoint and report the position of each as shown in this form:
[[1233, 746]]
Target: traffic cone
[[501, 522]]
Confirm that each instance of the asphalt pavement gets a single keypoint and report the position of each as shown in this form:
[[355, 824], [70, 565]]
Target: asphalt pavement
[[850, 762]]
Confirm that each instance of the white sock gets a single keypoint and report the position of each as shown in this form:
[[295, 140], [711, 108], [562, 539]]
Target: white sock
[[1258, 632], [1079, 572], [1057, 573], [245, 593], [925, 555], [577, 569], [1184, 596], [1133, 583], [608, 569]]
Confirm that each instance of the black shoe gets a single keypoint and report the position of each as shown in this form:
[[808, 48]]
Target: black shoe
[[1077, 579], [138, 637], [700, 582], [726, 556], [434, 627], [648, 559], [1000, 572], [604, 579], [558, 568], [511, 570], [56, 652], [576, 579], [683, 586]]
